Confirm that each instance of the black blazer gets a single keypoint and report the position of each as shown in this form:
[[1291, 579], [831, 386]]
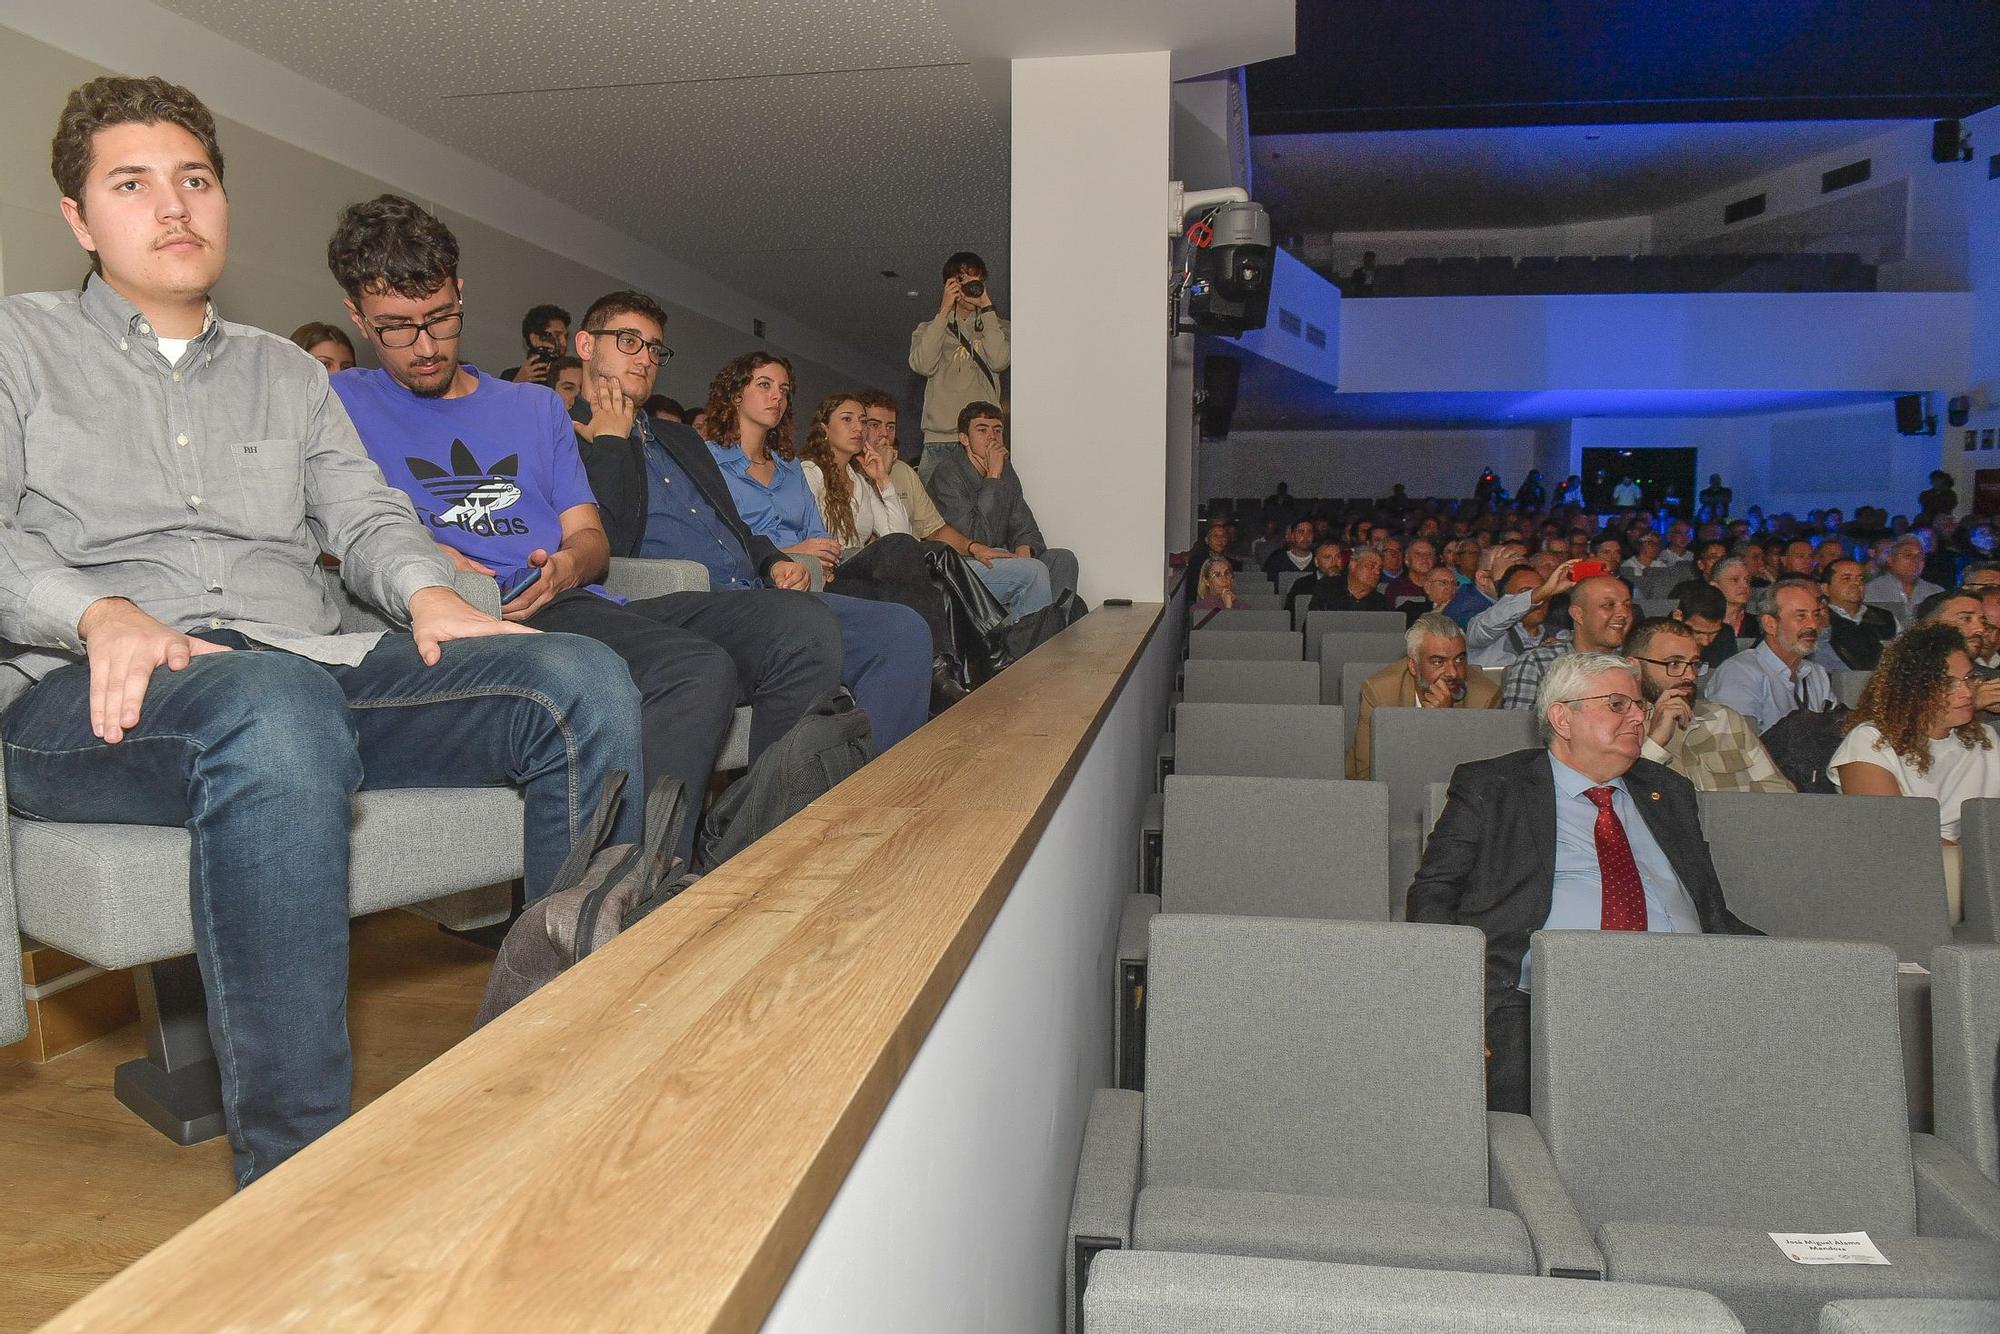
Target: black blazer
[[1860, 645], [1491, 860], [616, 466]]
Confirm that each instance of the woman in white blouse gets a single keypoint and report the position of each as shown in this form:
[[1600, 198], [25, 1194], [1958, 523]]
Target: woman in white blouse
[[1915, 734]]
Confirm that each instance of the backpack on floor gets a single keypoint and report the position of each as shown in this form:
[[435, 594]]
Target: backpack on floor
[[598, 892], [1030, 632], [1802, 745], [832, 740]]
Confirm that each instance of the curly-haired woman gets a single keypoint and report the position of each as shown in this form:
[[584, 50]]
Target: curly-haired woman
[[1914, 734]]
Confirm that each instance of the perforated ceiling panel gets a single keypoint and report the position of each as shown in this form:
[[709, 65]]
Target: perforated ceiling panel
[[793, 150]]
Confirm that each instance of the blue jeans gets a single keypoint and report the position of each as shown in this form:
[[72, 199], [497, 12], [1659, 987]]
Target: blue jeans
[[885, 659], [1021, 585], [258, 753]]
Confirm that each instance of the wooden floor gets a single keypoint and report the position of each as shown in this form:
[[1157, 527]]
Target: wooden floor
[[88, 1188]]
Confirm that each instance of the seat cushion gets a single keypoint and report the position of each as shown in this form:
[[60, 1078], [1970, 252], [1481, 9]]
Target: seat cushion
[[1910, 1315], [1772, 1295], [1324, 1227], [117, 895]]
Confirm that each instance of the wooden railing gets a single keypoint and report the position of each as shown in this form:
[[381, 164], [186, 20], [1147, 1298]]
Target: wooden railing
[[650, 1141]]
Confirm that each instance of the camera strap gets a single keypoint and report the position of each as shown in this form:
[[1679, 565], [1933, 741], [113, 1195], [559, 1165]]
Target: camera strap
[[973, 352]]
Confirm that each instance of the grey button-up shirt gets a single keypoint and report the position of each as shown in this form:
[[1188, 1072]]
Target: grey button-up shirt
[[204, 491]]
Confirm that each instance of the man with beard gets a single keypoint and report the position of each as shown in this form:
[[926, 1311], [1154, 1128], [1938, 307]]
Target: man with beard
[[1777, 676], [1709, 744], [1329, 563]]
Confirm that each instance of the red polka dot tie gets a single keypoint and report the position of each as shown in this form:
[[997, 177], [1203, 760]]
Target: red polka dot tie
[[1624, 896]]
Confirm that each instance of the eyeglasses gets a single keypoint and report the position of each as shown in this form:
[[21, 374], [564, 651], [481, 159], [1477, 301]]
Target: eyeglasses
[[631, 340], [442, 329], [1970, 681], [1673, 666], [1620, 705]]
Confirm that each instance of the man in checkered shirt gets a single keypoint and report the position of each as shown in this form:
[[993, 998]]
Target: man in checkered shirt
[[1709, 744], [1600, 613]]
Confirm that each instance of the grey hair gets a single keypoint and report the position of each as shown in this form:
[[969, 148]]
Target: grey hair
[[1726, 563], [1568, 674], [1430, 625]]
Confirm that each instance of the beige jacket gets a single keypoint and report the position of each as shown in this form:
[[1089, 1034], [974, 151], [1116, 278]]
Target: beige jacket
[[1394, 688], [917, 503], [951, 377]]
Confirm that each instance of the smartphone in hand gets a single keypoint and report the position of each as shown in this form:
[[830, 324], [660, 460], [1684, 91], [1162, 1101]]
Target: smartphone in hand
[[1588, 569], [518, 583]]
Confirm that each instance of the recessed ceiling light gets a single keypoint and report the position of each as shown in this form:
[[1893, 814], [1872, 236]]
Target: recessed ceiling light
[[911, 292]]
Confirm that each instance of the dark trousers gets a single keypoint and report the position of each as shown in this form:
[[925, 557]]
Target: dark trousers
[[696, 655], [892, 569], [1507, 1063], [258, 754]]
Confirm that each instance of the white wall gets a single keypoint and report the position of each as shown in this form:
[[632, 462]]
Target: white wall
[[1982, 210], [1358, 463], [952, 1217], [283, 204], [1089, 264]]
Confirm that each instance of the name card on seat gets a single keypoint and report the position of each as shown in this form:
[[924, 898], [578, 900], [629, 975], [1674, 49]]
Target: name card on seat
[[1829, 1248]]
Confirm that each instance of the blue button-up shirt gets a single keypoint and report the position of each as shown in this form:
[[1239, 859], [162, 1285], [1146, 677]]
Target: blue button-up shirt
[[682, 525], [784, 511], [1576, 901], [1757, 684]]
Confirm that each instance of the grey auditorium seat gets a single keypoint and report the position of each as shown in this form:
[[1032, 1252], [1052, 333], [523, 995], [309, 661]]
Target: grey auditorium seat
[[1965, 1033], [1979, 879], [1283, 580], [1255, 847], [1317, 623], [1753, 1086], [1163, 1292], [1262, 602], [1909, 1315], [1217, 681], [116, 896], [1847, 686], [1264, 645], [1315, 1091], [1414, 748], [1244, 619], [1352, 645]]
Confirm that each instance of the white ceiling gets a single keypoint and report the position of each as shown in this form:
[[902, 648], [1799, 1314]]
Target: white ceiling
[[792, 151], [1426, 180]]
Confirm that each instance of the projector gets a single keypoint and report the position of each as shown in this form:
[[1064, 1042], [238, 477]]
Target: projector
[[1229, 281]]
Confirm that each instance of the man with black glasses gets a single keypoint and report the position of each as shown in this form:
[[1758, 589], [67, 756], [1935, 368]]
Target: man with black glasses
[[1709, 744], [494, 471]]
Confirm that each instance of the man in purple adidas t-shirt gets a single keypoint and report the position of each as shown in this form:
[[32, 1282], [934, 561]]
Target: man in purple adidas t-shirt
[[493, 470]]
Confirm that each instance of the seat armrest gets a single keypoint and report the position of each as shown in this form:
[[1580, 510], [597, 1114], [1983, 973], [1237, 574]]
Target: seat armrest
[[13, 996], [1135, 927], [635, 578], [478, 589], [815, 573], [1523, 1181], [1107, 1189], [1953, 1198], [1163, 761]]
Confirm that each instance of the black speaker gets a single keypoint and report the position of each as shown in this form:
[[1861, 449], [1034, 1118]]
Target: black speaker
[[1958, 410], [1946, 138], [1219, 377]]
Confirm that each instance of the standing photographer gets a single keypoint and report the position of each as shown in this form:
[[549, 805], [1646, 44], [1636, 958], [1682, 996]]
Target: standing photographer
[[545, 332], [960, 354]]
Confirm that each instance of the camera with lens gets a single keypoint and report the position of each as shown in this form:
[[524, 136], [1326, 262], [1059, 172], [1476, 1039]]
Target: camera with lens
[[973, 287]]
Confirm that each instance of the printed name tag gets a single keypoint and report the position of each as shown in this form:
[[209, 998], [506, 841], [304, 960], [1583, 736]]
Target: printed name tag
[[1829, 1248]]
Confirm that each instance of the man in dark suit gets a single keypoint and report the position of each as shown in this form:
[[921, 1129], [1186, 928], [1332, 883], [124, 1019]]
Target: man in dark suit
[[1582, 835], [1857, 631]]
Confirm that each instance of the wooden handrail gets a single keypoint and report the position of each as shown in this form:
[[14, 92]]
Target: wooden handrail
[[651, 1140]]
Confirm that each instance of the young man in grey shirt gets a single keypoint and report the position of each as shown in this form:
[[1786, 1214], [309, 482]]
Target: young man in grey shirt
[[979, 494], [168, 481]]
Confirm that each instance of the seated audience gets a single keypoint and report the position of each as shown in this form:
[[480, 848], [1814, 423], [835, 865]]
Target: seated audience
[[327, 345], [1856, 631], [1359, 591], [1215, 590], [879, 558], [1213, 540], [1584, 834], [1518, 622], [1700, 607], [1648, 557], [525, 509], [663, 409], [1914, 734], [177, 661], [1799, 558], [661, 496], [1902, 586], [1392, 562], [1296, 554], [1420, 558], [979, 493], [1768, 681], [960, 352], [1709, 744], [1731, 577], [1329, 565], [1020, 582], [1440, 587], [545, 334], [1600, 614], [1433, 674], [1483, 590]]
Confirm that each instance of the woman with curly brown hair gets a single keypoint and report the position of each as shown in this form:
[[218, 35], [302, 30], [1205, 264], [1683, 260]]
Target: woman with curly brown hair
[[1915, 734], [750, 434]]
